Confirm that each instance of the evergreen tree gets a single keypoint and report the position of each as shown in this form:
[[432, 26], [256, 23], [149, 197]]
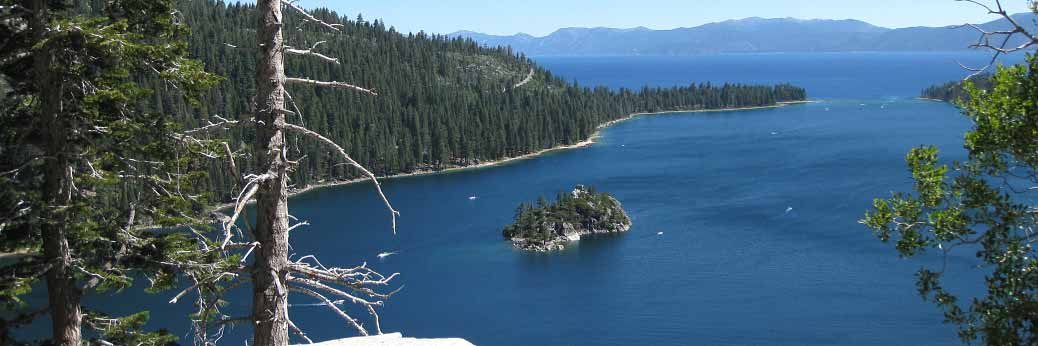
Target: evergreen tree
[[955, 92], [86, 163], [443, 102]]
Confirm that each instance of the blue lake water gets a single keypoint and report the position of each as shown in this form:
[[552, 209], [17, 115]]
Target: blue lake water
[[759, 211]]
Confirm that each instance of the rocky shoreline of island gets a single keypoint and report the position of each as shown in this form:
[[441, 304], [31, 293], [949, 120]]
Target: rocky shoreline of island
[[550, 227]]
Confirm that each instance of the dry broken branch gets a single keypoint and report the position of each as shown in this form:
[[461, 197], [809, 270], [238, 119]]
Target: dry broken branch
[[359, 279], [352, 321], [342, 153], [299, 332], [368, 305], [311, 52], [230, 162], [1005, 36], [223, 124], [310, 18], [332, 84], [243, 199], [196, 284]]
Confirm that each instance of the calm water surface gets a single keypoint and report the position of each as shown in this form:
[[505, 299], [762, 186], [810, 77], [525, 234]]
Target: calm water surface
[[759, 211]]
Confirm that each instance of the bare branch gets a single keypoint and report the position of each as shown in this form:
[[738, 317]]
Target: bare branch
[[985, 36], [20, 167], [353, 322], [247, 253], [332, 290], [11, 217], [302, 260], [311, 52], [230, 159], [309, 17], [359, 279], [374, 316], [299, 331], [370, 306], [301, 224], [332, 84], [986, 7], [292, 101], [243, 199], [994, 58], [222, 125], [192, 287], [338, 149]]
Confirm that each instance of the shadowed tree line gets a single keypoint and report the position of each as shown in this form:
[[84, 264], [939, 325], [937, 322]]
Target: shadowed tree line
[[955, 91]]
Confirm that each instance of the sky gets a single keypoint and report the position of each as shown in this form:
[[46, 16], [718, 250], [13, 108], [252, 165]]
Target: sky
[[541, 17]]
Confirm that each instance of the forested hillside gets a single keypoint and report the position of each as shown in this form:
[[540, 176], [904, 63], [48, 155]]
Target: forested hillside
[[442, 101]]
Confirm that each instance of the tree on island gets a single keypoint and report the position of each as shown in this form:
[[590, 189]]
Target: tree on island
[[984, 206], [548, 226]]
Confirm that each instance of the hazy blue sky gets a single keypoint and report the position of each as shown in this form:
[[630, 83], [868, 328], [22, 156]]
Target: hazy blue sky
[[541, 17]]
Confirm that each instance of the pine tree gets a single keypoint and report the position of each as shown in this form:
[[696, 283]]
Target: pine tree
[[454, 101], [86, 164]]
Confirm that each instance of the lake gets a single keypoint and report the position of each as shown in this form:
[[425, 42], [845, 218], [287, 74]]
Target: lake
[[758, 210]]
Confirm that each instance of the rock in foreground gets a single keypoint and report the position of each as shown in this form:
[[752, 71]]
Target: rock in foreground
[[394, 339], [551, 227]]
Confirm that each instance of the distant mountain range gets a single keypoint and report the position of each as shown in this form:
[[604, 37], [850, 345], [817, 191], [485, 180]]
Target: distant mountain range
[[745, 36]]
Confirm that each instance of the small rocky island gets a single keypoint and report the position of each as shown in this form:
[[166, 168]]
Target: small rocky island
[[550, 227]]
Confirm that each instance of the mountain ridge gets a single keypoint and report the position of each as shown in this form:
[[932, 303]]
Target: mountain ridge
[[746, 35]]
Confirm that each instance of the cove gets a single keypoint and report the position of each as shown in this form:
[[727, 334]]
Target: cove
[[759, 211]]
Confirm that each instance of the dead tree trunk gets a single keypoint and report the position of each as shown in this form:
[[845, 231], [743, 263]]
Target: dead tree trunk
[[269, 272], [62, 293], [273, 276]]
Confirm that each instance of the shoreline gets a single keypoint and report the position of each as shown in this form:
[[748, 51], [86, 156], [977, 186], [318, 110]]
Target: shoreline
[[930, 99], [585, 143]]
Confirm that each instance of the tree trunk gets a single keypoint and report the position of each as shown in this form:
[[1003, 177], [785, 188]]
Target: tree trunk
[[270, 293], [62, 293]]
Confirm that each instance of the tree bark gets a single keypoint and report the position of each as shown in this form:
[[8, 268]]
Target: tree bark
[[62, 293], [270, 269]]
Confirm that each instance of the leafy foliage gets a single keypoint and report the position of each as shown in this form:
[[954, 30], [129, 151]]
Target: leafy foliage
[[984, 206]]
